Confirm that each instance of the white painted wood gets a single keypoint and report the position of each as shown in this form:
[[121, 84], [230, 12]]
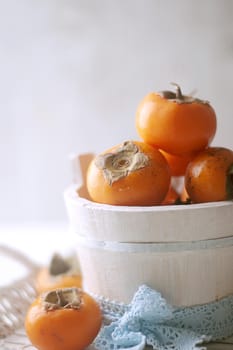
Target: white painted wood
[[185, 276], [143, 224], [149, 224]]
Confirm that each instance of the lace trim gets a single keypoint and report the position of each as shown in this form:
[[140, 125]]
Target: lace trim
[[150, 320]]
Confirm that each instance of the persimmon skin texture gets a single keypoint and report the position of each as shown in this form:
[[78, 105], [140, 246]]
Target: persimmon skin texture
[[176, 128], [184, 197], [171, 197], [63, 329], [206, 175], [178, 164], [45, 282], [147, 186]]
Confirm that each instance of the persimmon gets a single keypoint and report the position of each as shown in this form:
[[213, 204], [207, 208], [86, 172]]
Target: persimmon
[[184, 197], [63, 319], [60, 273], [178, 164], [130, 174], [176, 123], [171, 197], [209, 176]]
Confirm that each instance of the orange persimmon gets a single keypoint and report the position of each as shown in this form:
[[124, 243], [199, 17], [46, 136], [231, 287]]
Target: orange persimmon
[[171, 197], [176, 123], [63, 319], [184, 197], [130, 174], [178, 164], [60, 273], [209, 176]]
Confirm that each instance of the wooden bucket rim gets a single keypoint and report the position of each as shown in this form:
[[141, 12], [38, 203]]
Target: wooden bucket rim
[[71, 194]]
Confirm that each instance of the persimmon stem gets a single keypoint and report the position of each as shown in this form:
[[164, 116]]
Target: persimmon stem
[[179, 94], [178, 97]]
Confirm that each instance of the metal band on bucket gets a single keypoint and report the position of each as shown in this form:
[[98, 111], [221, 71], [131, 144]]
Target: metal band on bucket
[[160, 247]]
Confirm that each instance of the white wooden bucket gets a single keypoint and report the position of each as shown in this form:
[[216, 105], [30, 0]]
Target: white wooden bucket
[[183, 251]]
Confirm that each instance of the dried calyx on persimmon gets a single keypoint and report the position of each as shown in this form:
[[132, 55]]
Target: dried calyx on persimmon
[[132, 173], [58, 265], [61, 272], [63, 319], [66, 298], [117, 165]]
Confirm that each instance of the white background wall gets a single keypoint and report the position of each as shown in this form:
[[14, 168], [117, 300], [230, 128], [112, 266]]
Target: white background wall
[[72, 73]]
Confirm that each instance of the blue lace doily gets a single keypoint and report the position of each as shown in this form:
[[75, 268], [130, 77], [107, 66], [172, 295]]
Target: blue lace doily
[[150, 320]]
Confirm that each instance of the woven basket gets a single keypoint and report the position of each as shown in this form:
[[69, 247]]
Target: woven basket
[[14, 302]]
